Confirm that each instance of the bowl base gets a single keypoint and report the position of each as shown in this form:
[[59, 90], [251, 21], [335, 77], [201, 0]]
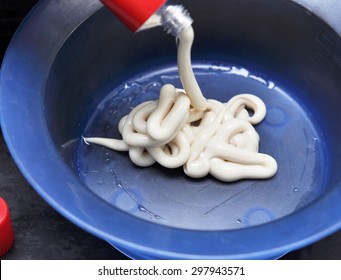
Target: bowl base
[[168, 196]]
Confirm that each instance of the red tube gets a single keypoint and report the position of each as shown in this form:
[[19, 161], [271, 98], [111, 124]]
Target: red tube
[[6, 230], [133, 13]]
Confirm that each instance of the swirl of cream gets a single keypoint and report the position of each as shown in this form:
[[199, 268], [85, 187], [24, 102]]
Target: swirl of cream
[[239, 104], [182, 128], [155, 123], [228, 158], [170, 115], [165, 118]]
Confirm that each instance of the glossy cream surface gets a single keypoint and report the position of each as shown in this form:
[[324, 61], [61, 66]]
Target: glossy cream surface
[[183, 128]]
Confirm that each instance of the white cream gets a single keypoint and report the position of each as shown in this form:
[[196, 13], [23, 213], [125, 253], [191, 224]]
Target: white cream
[[182, 128]]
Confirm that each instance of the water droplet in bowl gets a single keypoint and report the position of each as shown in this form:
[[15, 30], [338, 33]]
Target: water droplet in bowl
[[142, 208], [100, 182], [271, 85]]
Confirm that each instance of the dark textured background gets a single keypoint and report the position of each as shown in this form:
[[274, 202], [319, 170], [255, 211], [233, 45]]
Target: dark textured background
[[40, 232]]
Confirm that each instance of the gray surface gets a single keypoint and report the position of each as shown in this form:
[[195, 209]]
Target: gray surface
[[329, 10]]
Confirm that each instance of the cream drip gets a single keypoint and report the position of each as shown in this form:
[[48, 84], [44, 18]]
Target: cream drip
[[182, 128]]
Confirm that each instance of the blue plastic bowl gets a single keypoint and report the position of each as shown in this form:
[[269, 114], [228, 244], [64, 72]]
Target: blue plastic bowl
[[72, 69]]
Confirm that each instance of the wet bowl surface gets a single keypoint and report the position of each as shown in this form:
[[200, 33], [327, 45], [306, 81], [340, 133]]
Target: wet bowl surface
[[76, 75]]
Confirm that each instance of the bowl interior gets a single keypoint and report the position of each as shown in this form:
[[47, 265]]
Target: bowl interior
[[277, 51]]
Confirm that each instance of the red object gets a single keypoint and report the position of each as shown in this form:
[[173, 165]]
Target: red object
[[133, 13], [6, 230]]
